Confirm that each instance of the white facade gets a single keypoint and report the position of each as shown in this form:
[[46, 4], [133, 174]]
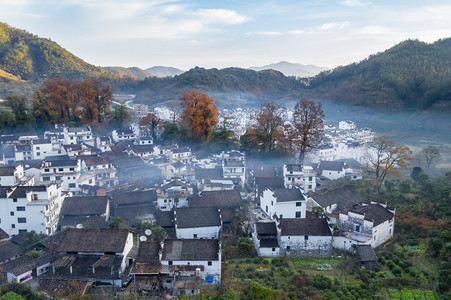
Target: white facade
[[346, 125], [209, 232], [282, 209], [78, 135], [299, 176], [306, 245], [234, 165], [38, 210], [123, 135], [69, 174], [42, 149], [12, 175]]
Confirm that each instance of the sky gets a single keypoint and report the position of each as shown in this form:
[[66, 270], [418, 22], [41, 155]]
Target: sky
[[229, 33]]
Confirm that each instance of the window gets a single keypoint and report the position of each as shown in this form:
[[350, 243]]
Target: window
[[60, 169], [357, 228], [14, 199], [71, 185], [272, 203], [38, 153], [266, 208], [71, 169], [38, 148], [273, 249], [281, 216], [68, 178], [11, 213], [58, 178], [288, 248], [21, 220], [46, 178], [310, 178], [298, 203], [22, 230], [20, 208], [170, 262], [298, 214], [13, 225], [46, 170], [194, 236], [306, 237], [210, 263]]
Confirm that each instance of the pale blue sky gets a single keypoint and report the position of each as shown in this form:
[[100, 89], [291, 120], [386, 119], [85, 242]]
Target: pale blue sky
[[220, 34]]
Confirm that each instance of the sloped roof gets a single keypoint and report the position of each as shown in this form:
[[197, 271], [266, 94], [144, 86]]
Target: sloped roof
[[190, 249], [165, 218], [286, 195], [7, 171], [93, 160], [25, 263], [84, 205], [144, 197], [294, 167], [94, 240], [266, 228], [21, 191], [8, 249], [344, 197], [3, 234], [189, 217], [331, 165], [375, 212], [269, 243], [214, 173], [216, 198], [271, 182], [300, 227], [365, 253]]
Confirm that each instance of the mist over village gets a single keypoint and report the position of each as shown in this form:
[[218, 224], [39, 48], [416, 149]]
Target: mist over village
[[225, 174]]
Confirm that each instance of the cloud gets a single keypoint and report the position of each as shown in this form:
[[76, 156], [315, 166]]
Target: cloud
[[291, 32], [354, 3], [332, 26], [220, 16]]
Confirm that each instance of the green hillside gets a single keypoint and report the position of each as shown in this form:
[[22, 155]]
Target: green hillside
[[133, 72], [29, 57], [231, 84], [412, 74]]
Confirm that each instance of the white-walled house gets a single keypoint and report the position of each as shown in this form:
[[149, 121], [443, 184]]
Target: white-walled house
[[305, 237], [27, 208], [297, 175], [332, 169], [174, 193], [265, 239], [234, 166], [191, 258], [10, 176], [123, 135], [78, 135], [369, 224], [197, 222], [40, 149], [283, 203]]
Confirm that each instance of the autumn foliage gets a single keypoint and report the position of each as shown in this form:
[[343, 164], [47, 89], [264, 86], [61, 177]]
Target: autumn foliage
[[200, 114]]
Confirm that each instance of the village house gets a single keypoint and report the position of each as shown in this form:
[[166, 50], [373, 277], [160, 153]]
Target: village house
[[84, 211], [101, 168], [121, 135], [297, 175], [40, 149], [14, 175], [332, 169], [305, 237], [265, 238], [174, 193], [104, 143], [364, 224], [27, 208], [234, 166], [78, 135], [197, 222], [283, 203], [134, 207], [190, 263]]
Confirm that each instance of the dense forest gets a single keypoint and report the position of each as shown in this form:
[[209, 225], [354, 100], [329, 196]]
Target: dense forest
[[29, 57]]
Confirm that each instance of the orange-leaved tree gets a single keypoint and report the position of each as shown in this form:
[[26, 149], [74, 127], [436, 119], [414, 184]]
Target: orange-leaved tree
[[385, 157], [199, 113]]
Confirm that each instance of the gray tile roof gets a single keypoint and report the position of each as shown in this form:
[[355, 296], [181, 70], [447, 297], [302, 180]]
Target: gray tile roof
[[7, 171], [266, 228], [375, 212], [215, 173], [271, 182], [189, 217], [8, 249], [286, 195], [365, 253], [93, 240], [216, 198], [344, 197], [21, 191], [300, 227], [331, 165], [190, 249], [84, 205], [269, 243], [294, 167]]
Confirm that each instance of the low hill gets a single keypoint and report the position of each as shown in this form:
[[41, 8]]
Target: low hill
[[231, 86], [133, 72], [292, 69], [412, 74], [30, 57], [161, 71]]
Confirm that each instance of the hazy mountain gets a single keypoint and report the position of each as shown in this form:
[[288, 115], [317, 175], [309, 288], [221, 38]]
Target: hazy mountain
[[411, 74], [161, 71], [30, 57], [133, 72], [231, 86], [292, 69]]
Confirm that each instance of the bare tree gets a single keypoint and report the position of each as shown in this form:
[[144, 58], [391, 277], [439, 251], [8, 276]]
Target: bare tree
[[268, 126], [386, 156], [175, 109], [308, 125], [430, 155]]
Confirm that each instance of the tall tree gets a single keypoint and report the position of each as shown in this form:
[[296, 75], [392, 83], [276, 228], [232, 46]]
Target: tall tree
[[199, 113], [86, 94], [385, 156], [268, 125], [19, 107], [430, 154], [308, 125], [153, 122], [121, 116], [103, 99]]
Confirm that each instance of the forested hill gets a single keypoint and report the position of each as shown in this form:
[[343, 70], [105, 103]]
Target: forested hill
[[232, 84], [412, 74], [29, 57]]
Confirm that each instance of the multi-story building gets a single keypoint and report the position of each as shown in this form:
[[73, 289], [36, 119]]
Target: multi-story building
[[234, 166], [297, 175], [283, 203]]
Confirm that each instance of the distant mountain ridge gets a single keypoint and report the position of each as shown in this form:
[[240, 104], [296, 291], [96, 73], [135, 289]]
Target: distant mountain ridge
[[132, 72], [161, 71], [292, 69], [30, 57]]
